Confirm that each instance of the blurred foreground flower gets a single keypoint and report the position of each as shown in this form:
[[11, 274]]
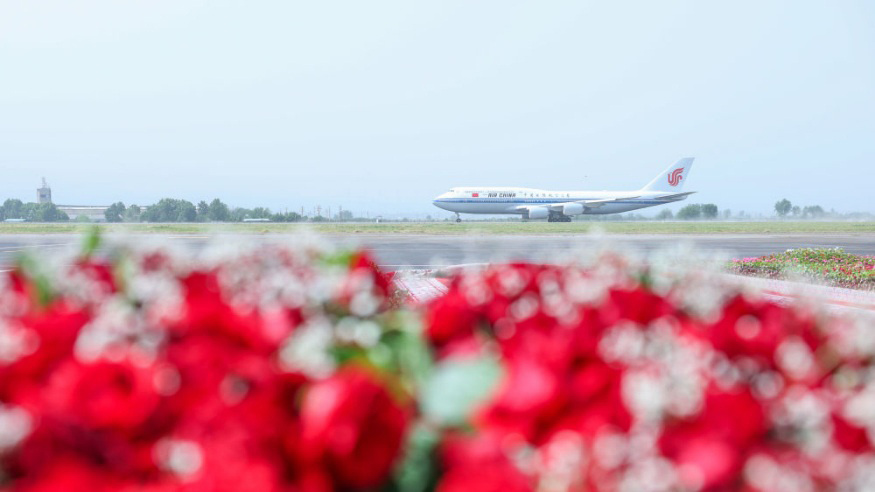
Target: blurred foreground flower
[[275, 367], [144, 371], [611, 383]]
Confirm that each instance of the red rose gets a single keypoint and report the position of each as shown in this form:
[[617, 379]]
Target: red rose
[[450, 318], [710, 447], [364, 277], [850, 436], [207, 312], [639, 305], [355, 426], [596, 401], [362, 262], [65, 475], [753, 329], [57, 440], [55, 330], [480, 463], [529, 398], [492, 477], [102, 395], [234, 468], [99, 271]]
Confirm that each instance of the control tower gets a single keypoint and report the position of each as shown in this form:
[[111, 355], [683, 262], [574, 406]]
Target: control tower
[[44, 193]]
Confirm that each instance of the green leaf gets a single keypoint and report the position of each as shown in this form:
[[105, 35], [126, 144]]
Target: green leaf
[[418, 471], [91, 242], [457, 386], [345, 354], [31, 269], [410, 355], [341, 259]]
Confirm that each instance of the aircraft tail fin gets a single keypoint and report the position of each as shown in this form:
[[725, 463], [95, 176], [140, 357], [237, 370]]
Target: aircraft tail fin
[[672, 179]]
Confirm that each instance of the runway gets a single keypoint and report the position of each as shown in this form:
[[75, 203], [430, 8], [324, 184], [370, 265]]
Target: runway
[[396, 252], [425, 252]]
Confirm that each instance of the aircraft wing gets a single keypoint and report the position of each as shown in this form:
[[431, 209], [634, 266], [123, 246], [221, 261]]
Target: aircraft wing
[[676, 195], [599, 203], [558, 207]]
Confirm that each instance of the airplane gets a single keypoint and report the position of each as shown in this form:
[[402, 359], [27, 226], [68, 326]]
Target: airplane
[[560, 206]]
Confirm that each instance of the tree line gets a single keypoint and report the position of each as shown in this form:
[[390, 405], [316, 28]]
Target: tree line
[[15, 209], [176, 210], [166, 210], [693, 211], [785, 207]]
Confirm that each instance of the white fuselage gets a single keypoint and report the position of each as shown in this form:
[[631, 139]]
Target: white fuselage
[[501, 200], [531, 203]]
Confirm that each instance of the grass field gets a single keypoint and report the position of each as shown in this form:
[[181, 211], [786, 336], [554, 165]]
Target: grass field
[[451, 228]]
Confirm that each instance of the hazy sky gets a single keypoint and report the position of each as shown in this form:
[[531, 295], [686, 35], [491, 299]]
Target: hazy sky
[[380, 106]]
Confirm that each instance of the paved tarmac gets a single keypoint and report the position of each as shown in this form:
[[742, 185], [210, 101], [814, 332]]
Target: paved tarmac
[[395, 252], [424, 252]]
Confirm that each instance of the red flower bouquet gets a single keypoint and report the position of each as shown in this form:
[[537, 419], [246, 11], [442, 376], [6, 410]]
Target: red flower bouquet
[[297, 368]]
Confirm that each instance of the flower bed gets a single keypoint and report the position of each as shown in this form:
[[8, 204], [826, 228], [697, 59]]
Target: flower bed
[[277, 368], [831, 266]]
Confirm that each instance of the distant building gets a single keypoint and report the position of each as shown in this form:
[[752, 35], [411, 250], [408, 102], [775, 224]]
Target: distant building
[[44, 193], [95, 213]]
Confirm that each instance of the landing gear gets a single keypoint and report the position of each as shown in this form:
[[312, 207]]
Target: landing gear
[[458, 219], [558, 217]]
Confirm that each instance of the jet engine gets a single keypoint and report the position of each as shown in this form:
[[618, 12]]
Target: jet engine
[[537, 213], [572, 209]]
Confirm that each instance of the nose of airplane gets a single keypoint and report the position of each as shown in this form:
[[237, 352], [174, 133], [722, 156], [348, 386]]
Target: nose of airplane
[[439, 201]]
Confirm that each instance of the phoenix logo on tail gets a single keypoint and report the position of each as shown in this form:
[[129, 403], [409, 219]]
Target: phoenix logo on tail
[[675, 177]]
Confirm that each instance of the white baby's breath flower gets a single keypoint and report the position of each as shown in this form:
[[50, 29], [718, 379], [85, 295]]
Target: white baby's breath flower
[[651, 474], [15, 425], [306, 350], [562, 461], [16, 342], [623, 342], [182, 457], [117, 327], [794, 357], [524, 308]]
